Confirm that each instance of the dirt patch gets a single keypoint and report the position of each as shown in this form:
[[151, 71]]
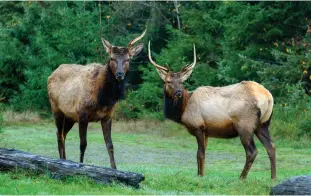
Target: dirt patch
[[125, 154]]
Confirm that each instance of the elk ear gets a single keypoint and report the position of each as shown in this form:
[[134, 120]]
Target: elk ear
[[135, 50], [106, 45], [185, 74], [162, 73]]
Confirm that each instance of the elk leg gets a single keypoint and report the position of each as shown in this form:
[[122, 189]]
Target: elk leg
[[67, 126], [205, 142], [263, 135], [106, 127], [251, 153], [59, 121], [83, 122], [200, 136]]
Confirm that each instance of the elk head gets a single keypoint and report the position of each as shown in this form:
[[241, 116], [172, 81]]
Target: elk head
[[119, 62], [173, 86]]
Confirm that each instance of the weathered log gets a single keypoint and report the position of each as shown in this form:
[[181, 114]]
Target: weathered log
[[298, 185], [11, 159]]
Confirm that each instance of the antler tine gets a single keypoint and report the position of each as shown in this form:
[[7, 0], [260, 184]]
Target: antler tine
[[152, 62], [136, 39], [191, 66]]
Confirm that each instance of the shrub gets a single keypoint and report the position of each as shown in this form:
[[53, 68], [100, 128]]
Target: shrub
[[291, 119], [304, 128]]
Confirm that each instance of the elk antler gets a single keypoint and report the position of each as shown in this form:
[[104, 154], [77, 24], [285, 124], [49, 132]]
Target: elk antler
[[153, 63], [136, 39], [191, 66]]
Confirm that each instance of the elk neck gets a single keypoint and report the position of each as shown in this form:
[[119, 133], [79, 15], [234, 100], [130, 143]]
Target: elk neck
[[111, 90], [174, 108]]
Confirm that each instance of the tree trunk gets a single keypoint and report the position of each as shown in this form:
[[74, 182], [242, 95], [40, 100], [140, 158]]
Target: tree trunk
[[15, 159], [177, 12], [298, 185]]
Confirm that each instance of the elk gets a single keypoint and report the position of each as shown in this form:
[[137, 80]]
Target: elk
[[238, 110], [90, 93]]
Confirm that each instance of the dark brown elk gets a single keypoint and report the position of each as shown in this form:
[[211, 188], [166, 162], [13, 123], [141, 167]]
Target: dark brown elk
[[89, 93], [238, 110]]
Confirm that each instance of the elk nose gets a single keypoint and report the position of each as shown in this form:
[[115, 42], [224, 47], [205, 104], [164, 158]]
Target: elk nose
[[120, 75], [178, 93]]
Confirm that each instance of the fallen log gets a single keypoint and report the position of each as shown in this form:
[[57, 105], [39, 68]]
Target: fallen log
[[11, 159], [298, 185]]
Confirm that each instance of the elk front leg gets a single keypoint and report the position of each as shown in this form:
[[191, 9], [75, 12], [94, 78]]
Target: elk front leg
[[59, 121], [83, 122], [68, 124], [200, 136], [106, 127]]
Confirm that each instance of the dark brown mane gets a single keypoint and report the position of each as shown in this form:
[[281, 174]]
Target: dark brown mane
[[174, 108], [93, 91], [111, 91]]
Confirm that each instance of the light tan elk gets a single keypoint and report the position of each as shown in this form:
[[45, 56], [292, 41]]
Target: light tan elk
[[238, 110], [89, 93]]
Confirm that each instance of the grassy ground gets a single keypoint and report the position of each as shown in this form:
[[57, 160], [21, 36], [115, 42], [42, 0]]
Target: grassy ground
[[163, 151]]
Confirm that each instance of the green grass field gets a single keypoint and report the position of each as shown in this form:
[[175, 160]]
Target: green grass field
[[163, 151]]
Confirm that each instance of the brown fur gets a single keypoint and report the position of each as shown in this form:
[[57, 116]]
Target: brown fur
[[69, 95], [89, 93], [227, 112], [231, 111], [221, 112], [74, 94], [242, 109]]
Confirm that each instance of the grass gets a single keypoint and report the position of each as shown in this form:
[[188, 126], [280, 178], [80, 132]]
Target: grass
[[163, 151], [11, 116]]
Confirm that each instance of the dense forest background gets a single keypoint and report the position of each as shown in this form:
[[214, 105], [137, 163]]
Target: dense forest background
[[267, 42]]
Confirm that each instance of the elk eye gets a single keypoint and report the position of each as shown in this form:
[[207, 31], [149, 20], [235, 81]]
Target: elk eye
[[125, 62], [113, 62]]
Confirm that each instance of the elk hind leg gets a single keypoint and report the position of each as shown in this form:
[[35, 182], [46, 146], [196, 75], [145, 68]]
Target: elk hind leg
[[263, 135], [251, 153]]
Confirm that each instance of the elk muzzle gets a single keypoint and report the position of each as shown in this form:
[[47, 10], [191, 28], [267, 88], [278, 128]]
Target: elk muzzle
[[120, 76], [178, 93]]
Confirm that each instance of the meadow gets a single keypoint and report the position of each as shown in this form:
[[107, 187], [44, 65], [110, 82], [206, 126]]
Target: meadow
[[266, 42], [161, 150]]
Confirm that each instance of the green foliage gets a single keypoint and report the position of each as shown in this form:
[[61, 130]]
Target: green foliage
[[235, 41], [39, 36], [261, 41], [283, 75], [304, 129], [290, 119]]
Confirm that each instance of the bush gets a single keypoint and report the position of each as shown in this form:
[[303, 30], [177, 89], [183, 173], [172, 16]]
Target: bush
[[304, 128], [291, 119], [235, 41]]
